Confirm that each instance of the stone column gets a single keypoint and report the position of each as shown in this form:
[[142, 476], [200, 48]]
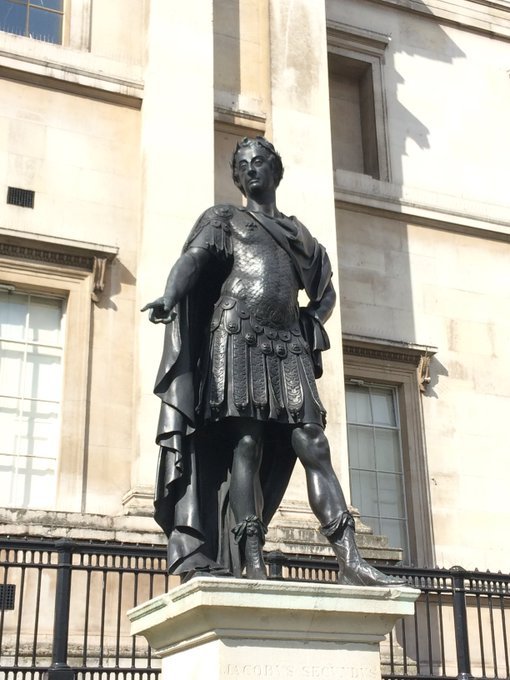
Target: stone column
[[300, 130], [223, 629], [177, 141]]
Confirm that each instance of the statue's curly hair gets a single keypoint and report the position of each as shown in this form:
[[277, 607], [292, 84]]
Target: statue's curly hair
[[269, 150]]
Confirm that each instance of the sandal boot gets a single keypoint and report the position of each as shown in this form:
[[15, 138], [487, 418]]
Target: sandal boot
[[353, 569], [250, 534]]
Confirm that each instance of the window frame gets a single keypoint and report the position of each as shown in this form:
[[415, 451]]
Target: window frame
[[24, 344], [29, 5], [76, 26], [404, 367], [74, 285], [397, 428], [74, 271], [365, 51]]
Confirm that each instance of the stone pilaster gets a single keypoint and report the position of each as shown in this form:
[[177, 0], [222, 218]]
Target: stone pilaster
[[300, 130], [177, 184]]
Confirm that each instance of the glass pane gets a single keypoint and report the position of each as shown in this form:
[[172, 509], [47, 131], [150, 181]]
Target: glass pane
[[355, 483], [396, 532], [13, 17], [48, 4], [374, 523], [13, 311], [11, 368], [391, 496], [29, 427], [38, 433], [45, 25], [8, 425], [358, 404], [6, 477], [387, 446], [42, 378], [44, 320], [383, 406], [364, 492], [29, 481], [361, 447]]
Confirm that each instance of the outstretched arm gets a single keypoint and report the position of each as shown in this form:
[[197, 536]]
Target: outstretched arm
[[181, 280]]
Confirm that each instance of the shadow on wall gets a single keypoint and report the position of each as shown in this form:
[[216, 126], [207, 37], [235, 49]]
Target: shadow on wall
[[430, 45], [436, 371], [389, 113]]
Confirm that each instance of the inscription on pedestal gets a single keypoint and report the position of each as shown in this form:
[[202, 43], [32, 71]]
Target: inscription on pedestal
[[298, 671]]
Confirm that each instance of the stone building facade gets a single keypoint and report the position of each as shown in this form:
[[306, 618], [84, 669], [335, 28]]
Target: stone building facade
[[392, 120]]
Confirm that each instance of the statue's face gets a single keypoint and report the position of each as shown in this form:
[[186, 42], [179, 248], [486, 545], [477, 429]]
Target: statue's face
[[255, 171]]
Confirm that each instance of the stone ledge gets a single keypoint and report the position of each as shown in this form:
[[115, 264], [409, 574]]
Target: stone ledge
[[358, 192], [218, 628], [295, 537], [75, 525], [488, 17], [65, 69], [294, 529], [242, 607]]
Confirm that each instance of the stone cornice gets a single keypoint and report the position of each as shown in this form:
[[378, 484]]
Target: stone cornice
[[75, 71], [382, 350], [488, 17], [381, 354], [44, 255], [361, 193], [59, 252], [46, 242]]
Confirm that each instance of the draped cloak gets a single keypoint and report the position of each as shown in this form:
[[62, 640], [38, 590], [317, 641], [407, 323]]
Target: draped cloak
[[193, 475]]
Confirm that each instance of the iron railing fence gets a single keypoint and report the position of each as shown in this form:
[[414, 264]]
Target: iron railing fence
[[70, 604], [461, 623], [63, 610]]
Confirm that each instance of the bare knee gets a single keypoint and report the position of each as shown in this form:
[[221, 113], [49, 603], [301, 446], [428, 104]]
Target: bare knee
[[248, 450], [311, 445]]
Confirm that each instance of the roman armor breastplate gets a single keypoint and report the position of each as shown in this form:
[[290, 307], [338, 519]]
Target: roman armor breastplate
[[262, 276]]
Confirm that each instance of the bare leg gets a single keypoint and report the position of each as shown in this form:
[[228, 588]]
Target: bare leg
[[246, 495], [245, 489], [328, 504], [324, 492]]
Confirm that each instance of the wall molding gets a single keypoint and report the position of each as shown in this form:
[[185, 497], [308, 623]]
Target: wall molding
[[58, 68], [364, 194], [418, 356], [470, 15], [59, 252]]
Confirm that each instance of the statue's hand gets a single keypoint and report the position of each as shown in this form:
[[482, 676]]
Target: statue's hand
[[161, 310]]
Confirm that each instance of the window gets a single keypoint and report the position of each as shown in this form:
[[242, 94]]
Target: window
[[375, 460], [39, 19], [356, 94], [31, 357], [388, 477], [352, 116], [46, 288]]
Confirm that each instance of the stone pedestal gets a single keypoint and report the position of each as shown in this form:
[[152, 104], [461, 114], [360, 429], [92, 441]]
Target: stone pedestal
[[234, 628]]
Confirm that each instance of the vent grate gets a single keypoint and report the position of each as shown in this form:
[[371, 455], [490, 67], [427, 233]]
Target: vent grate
[[24, 198], [7, 596]]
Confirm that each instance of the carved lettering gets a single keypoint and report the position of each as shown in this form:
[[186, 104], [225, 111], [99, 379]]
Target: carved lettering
[[321, 672], [343, 672], [235, 670]]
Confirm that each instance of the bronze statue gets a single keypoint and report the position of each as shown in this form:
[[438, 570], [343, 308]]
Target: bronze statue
[[237, 383]]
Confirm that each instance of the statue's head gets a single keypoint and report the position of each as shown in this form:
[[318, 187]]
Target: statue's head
[[262, 145]]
